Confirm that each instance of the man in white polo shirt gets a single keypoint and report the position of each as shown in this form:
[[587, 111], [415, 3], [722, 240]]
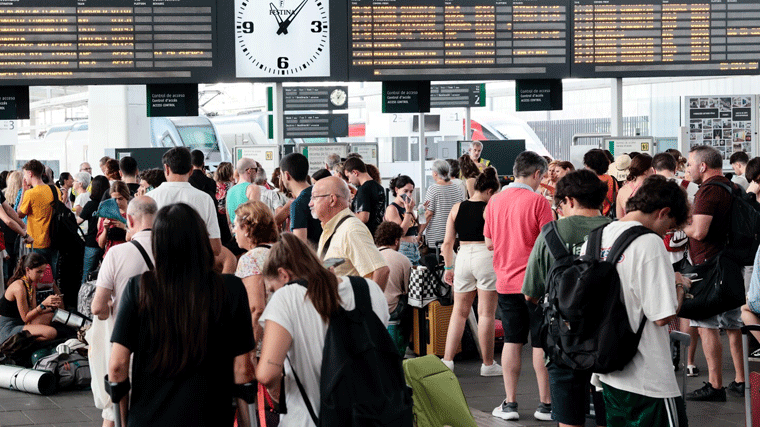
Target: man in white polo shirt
[[177, 189]]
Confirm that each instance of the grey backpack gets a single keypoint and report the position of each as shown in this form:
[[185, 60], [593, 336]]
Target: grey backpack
[[70, 370]]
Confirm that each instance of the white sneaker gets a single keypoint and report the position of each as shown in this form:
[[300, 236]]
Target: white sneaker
[[506, 411], [449, 364], [493, 370]]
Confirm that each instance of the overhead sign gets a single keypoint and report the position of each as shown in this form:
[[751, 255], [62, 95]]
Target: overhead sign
[[315, 125], [14, 102], [172, 100], [726, 123], [317, 154], [617, 38], [267, 155], [8, 132], [109, 41], [538, 95], [622, 144], [303, 98], [461, 39], [458, 95], [406, 97]]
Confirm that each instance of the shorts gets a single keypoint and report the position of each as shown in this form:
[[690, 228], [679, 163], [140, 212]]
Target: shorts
[[411, 251], [570, 391], [474, 269], [520, 318], [731, 319], [10, 326], [626, 409]]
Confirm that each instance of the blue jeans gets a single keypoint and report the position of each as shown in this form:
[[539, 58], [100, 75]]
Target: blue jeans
[[91, 257], [51, 255]]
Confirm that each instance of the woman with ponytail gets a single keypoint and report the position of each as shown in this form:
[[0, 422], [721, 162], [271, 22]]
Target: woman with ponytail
[[295, 322], [473, 272], [19, 308]]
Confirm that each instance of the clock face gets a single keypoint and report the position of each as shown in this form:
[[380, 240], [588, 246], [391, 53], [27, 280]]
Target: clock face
[[282, 38], [338, 97]]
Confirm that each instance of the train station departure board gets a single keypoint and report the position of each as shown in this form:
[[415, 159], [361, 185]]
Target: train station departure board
[[458, 39], [665, 38], [106, 41]]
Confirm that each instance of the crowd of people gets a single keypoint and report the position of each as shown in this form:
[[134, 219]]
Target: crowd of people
[[192, 271]]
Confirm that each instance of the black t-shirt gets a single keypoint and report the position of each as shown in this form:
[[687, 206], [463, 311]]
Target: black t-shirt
[[300, 217], [370, 197], [199, 180], [2, 198], [88, 214], [202, 396]]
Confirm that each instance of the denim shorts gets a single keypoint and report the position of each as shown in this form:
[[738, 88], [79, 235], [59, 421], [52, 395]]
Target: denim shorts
[[730, 320], [9, 326]]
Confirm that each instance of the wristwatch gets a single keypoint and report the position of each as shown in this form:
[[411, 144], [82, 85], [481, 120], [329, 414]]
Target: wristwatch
[[42, 307]]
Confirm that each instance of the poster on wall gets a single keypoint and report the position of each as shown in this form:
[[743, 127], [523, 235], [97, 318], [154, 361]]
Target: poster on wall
[[726, 123]]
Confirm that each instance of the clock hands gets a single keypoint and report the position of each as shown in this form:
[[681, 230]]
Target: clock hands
[[284, 24], [276, 13]]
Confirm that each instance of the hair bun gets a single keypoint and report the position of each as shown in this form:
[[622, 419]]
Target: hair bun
[[489, 172]]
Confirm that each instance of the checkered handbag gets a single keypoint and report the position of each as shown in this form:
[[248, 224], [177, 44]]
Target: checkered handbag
[[421, 287]]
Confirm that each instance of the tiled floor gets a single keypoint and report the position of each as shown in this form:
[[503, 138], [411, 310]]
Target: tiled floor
[[73, 409], [484, 394]]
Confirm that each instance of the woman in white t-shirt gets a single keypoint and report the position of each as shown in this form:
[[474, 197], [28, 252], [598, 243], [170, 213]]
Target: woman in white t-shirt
[[296, 320]]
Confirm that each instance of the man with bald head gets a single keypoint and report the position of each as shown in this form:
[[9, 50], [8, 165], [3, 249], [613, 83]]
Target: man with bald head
[[246, 169], [344, 235], [121, 263]]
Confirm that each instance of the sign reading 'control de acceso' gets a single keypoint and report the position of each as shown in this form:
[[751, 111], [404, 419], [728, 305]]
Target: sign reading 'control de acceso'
[[406, 97], [14, 102], [172, 100]]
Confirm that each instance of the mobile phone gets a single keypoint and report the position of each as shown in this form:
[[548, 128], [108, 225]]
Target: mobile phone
[[333, 262], [405, 197]]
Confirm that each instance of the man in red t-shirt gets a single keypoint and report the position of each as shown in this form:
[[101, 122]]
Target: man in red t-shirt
[[707, 238], [514, 218]]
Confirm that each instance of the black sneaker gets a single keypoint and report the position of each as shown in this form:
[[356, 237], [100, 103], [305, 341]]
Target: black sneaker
[[707, 394], [736, 388]]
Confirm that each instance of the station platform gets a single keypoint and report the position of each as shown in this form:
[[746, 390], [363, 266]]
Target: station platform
[[76, 409]]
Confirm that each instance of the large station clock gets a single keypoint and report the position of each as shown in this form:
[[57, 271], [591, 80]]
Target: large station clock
[[282, 38]]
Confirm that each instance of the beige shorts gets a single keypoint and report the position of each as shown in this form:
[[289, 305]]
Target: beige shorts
[[474, 269]]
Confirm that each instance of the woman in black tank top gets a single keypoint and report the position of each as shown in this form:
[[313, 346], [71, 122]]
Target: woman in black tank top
[[474, 274], [19, 308], [401, 211]]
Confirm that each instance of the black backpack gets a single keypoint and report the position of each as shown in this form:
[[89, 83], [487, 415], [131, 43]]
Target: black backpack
[[744, 230], [585, 321], [65, 234], [362, 381]]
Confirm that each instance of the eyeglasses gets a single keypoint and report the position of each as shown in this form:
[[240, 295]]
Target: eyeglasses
[[87, 169], [253, 169], [322, 195]]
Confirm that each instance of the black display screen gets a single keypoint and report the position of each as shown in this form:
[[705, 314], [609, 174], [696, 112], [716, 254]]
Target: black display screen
[[665, 38], [458, 40], [107, 41]]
